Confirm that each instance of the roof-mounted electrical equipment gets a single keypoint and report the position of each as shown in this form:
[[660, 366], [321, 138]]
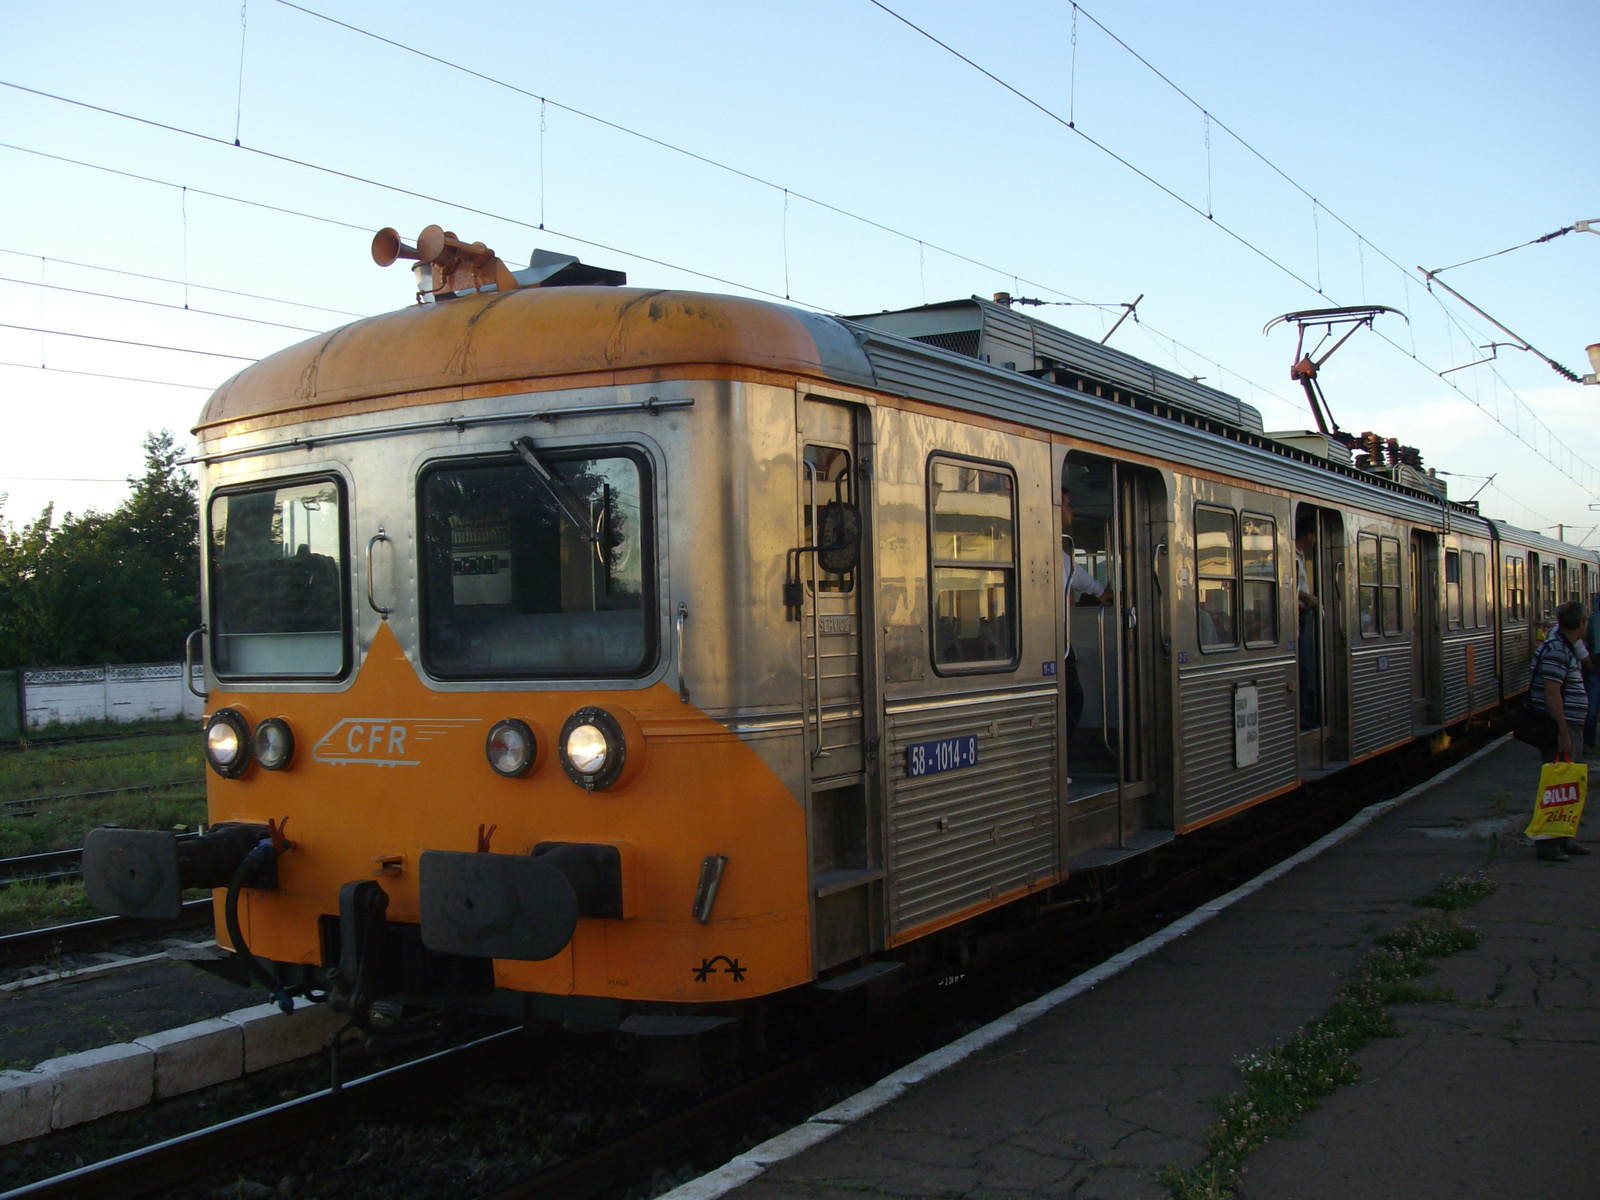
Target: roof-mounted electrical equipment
[[447, 267], [1307, 364]]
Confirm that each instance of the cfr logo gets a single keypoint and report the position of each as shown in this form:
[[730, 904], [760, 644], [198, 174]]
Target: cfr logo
[[382, 741]]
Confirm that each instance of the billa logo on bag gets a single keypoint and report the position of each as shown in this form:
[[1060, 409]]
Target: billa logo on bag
[[1558, 795]]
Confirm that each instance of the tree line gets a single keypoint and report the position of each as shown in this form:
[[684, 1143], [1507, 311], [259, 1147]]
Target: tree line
[[98, 587]]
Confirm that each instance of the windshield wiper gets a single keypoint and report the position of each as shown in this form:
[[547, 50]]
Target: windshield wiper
[[570, 505]]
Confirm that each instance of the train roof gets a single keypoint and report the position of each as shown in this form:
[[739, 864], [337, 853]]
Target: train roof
[[534, 333], [587, 335]]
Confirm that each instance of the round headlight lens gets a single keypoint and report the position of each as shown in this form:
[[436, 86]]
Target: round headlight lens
[[592, 748], [586, 749], [274, 743], [228, 743], [511, 747]]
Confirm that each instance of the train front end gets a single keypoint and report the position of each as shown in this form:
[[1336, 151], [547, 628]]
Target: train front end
[[479, 599]]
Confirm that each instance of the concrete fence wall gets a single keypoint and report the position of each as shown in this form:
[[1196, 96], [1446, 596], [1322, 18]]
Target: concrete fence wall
[[115, 692]]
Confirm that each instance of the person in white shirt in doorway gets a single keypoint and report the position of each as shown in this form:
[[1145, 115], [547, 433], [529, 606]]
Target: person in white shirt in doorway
[[1079, 582]]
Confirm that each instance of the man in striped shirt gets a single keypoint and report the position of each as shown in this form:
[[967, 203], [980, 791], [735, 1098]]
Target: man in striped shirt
[[1559, 693]]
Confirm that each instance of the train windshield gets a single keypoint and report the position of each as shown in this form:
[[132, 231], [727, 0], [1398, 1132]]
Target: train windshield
[[524, 580], [277, 581]]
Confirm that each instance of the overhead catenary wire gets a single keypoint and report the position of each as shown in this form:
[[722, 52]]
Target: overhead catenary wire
[[480, 212], [198, 387], [92, 337], [204, 312], [1593, 473], [199, 287]]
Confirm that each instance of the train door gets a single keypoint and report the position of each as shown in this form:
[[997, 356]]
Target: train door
[[837, 704], [1427, 646], [1114, 532], [1322, 639]]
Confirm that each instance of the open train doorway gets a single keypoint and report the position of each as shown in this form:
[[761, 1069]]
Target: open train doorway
[[1322, 638], [1114, 553], [1427, 689]]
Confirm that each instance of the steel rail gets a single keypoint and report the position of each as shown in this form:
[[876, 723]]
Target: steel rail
[[30, 945], [51, 865], [34, 801], [178, 1159], [25, 744]]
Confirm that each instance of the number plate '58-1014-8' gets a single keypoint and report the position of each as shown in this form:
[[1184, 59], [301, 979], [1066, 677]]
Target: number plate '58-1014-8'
[[929, 758]]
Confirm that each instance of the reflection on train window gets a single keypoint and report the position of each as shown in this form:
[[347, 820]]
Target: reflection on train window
[[1516, 589], [972, 519], [277, 581], [1452, 588], [1480, 592], [1215, 559], [528, 578], [1258, 546], [825, 481], [1389, 601], [1378, 569], [1547, 592]]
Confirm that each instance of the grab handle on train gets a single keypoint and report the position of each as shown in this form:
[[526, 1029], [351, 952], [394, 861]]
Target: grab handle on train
[[188, 662], [683, 684], [372, 600]]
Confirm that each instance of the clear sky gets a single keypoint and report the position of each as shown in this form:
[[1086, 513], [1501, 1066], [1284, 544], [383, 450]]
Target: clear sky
[[1437, 132]]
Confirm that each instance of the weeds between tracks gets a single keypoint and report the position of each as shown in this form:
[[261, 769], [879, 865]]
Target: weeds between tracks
[[1286, 1081]]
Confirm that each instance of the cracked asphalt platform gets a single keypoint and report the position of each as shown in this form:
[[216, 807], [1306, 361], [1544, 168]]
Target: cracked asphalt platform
[[1494, 1093]]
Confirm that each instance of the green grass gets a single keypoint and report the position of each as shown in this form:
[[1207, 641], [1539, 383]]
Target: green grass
[[1283, 1083], [45, 770], [34, 905], [1461, 890]]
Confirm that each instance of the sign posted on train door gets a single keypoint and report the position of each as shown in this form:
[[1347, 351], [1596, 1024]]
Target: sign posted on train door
[[1246, 724]]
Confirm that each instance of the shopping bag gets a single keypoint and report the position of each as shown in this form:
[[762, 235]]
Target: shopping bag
[[1558, 805]]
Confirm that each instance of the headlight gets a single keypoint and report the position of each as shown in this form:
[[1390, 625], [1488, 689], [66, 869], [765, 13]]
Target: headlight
[[228, 743], [592, 748], [274, 743], [511, 747]]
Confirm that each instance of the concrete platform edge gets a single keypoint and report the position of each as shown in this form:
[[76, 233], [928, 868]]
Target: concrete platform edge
[[66, 1091], [741, 1169]]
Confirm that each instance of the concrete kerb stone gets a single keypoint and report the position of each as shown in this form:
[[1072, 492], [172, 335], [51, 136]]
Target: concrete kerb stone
[[75, 1088], [272, 1037], [195, 1056], [26, 1098], [97, 1083], [742, 1169]]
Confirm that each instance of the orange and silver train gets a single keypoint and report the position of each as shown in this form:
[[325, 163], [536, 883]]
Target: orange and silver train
[[596, 654]]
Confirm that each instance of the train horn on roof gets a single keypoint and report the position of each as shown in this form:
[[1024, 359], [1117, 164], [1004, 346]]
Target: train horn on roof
[[387, 246]]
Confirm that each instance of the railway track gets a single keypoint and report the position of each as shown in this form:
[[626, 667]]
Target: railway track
[[727, 1121], [34, 945], [13, 807], [26, 744], [51, 866]]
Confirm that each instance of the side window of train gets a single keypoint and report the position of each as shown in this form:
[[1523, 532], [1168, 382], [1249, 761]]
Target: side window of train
[[1258, 543], [1216, 565], [1378, 568], [1452, 588], [972, 519], [1480, 590], [1516, 585], [1389, 601], [827, 479], [277, 574]]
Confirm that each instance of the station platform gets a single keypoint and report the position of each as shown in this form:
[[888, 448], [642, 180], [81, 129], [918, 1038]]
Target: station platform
[[1492, 1093]]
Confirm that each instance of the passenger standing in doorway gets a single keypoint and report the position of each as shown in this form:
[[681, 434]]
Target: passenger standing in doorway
[[1078, 583], [1559, 693], [1305, 540], [1591, 674]]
